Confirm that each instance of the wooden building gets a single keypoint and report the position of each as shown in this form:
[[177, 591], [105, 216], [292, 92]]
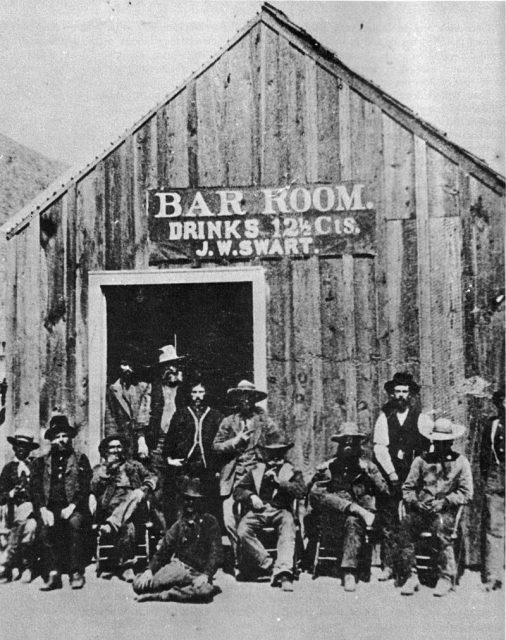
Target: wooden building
[[280, 208]]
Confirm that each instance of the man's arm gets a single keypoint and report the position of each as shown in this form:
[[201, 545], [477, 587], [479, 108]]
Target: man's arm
[[245, 488], [36, 487], [82, 491], [166, 549], [226, 441], [412, 481], [149, 480], [464, 490], [381, 442], [295, 487], [5, 484], [215, 558], [377, 481]]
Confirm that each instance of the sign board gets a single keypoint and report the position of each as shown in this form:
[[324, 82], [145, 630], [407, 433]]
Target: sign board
[[263, 222]]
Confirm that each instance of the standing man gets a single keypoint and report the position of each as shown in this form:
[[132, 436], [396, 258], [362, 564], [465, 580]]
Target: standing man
[[127, 409], [15, 493], [121, 487], [237, 444], [493, 472], [397, 441], [344, 494], [164, 390], [188, 446], [267, 492], [60, 489], [438, 483]]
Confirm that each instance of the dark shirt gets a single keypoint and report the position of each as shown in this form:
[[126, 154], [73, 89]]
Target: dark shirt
[[197, 544], [10, 479], [57, 496]]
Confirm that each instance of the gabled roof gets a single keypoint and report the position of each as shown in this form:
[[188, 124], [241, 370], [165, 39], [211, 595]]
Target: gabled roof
[[277, 20]]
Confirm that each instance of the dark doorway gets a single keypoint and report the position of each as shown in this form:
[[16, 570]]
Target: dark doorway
[[211, 323]]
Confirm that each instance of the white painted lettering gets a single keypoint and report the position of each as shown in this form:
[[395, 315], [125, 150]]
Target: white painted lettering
[[190, 230], [329, 197], [305, 242], [231, 203], [202, 253], [276, 248], [348, 202], [319, 225], [231, 228], [169, 201], [261, 246], [294, 199], [291, 246], [224, 247], [279, 197], [214, 229], [199, 207], [245, 248], [175, 230], [251, 228]]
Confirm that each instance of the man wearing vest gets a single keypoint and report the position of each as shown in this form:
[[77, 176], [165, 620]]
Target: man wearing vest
[[397, 441]]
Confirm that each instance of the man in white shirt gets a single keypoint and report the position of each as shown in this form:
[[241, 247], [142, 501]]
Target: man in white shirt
[[397, 441]]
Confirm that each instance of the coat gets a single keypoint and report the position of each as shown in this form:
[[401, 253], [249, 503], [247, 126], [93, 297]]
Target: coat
[[77, 481], [157, 402], [9, 479], [103, 485], [290, 487], [230, 447], [128, 416]]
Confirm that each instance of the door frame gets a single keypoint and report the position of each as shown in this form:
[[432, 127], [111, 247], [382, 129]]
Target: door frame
[[97, 325]]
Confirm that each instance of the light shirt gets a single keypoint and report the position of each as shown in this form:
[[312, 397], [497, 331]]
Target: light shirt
[[197, 439], [169, 406]]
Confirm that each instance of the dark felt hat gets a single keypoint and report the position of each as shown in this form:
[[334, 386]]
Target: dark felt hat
[[192, 487], [275, 441], [347, 430], [102, 447], [23, 439], [246, 387], [402, 378], [58, 424]]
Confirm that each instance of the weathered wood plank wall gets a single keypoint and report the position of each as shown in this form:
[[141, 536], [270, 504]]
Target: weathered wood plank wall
[[266, 112]]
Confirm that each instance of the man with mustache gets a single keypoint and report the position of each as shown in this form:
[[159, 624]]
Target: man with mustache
[[397, 441], [121, 487]]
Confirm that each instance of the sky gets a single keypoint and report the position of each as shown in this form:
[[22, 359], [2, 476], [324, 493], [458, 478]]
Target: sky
[[76, 73]]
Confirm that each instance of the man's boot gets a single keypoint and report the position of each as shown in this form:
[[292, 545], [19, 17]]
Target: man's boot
[[410, 586], [26, 576], [76, 580], [350, 582], [53, 582], [386, 574], [443, 587]]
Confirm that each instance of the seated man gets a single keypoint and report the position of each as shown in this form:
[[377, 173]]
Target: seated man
[[183, 567], [345, 489], [60, 489], [15, 494], [120, 486], [437, 484], [267, 491]]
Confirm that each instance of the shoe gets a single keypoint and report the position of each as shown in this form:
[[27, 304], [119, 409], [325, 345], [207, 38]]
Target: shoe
[[5, 574], [286, 583], [149, 597], [491, 585], [26, 576], [443, 587], [386, 574], [410, 586], [77, 580], [350, 584], [266, 569], [106, 529], [128, 575], [53, 582]]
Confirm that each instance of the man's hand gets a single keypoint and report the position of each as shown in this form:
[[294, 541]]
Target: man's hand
[[424, 507], [200, 580], [68, 511], [175, 462], [143, 581], [142, 448], [256, 503], [436, 506], [47, 517], [271, 475], [138, 494]]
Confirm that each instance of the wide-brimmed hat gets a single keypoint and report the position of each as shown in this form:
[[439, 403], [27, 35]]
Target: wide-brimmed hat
[[102, 447], [275, 442], [168, 355], [348, 430], [442, 429], [24, 439], [246, 387], [57, 424], [192, 487], [402, 378]]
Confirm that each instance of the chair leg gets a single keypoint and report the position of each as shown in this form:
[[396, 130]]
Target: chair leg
[[316, 558]]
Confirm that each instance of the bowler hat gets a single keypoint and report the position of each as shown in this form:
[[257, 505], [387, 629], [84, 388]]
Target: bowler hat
[[246, 387], [402, 378], [348, 430], [102, 447], [192, 488], [274, 441], [58, 424], [23, 438], [442, 429]]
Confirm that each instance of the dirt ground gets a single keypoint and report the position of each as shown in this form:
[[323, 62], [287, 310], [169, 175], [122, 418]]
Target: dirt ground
[[316, 610]]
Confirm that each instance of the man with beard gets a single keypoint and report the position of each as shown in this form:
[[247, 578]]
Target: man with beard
[[15, 494], [438, 483], [343, 496], [237, 445], [268, 491], [127, 409], [60, 489], [188, 446], [189, 555], [121, 487], [397, 441], [164, 390]]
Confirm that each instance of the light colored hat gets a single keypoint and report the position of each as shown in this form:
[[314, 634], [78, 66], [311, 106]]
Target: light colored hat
[[245, 386], [347, 430], [23, 438], [442, 429], [168, 354]]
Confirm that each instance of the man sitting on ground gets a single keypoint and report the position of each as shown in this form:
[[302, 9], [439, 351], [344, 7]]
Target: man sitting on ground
[[120, 486], [15, 495], [268, 491], [345, 489], [189, 555], [438, 483]]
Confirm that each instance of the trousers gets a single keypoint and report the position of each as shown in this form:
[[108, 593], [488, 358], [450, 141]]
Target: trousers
[[20, 546], [63, 544]]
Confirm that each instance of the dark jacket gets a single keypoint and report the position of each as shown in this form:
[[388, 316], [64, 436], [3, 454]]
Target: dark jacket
[[198, 545], [77, 481], [279, 495], [103, 484], [157, 403], [128, 415], [181, 435], [9, 479]]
